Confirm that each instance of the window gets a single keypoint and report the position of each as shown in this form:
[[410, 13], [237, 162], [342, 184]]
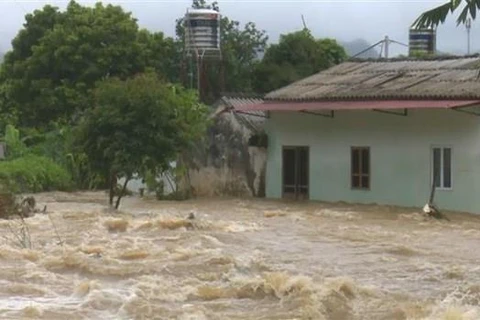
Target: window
[[442, 167], [360, 168]]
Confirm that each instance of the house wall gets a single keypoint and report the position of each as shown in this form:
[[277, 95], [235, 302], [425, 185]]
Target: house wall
[[400, 155]]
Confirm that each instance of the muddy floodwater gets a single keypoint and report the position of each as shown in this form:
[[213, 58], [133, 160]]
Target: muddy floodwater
[[238, 259]]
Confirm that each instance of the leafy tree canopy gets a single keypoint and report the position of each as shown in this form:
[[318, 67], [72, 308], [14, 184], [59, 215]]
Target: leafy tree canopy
[[137, 126], [296, 56], [160, 53], [59, 56]]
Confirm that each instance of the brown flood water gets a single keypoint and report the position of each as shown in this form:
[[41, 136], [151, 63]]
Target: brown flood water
[[240, 259]]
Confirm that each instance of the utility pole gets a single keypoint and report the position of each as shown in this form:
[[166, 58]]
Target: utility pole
[[468, 25], [386, 43]]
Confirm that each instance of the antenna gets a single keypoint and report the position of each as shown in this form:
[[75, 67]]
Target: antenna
[[387, 43], [468, 25], [304, 23]]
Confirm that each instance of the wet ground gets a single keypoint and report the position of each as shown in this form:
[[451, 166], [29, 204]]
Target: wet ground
[[238, 259]]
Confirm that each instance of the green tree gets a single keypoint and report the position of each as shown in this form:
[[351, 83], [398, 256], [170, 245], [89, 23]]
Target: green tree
[[35, 27], [15, 146], [436, 16], [160, 53], [58, 57], [138, 126], [8, 114], [296, 56], [240, 49]]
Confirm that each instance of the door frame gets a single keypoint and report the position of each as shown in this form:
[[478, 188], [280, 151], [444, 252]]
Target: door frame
[[296, 147]]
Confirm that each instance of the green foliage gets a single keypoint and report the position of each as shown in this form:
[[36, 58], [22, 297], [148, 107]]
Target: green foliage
[[139, 125], [8, 115], [59, 56], [296, 56], [438, 15], [79, 168], [420, 54], [56, 145], [33, 174], [52, 144], [152, 183], [15, 146], [161, 54]]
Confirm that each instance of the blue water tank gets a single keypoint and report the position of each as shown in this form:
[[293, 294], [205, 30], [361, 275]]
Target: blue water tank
[[422, 41]]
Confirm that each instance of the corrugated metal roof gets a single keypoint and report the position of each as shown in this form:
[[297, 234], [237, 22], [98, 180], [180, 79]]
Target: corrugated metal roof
[[452, 78], [254, 119]]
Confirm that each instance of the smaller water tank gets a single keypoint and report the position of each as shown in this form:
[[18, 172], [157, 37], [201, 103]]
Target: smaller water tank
[[202, 30], [422, 41]]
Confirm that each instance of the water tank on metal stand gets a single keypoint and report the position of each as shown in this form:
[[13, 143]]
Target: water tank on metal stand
[[202, 32], [422, 41]]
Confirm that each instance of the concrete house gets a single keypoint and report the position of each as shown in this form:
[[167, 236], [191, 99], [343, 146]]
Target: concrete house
[[378, 132]]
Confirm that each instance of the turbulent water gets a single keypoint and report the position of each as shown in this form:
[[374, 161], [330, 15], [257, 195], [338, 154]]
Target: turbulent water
[[239, 259]]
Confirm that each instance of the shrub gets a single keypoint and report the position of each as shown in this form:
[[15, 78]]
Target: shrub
[[15, 147], [33, 173], [8, 204]]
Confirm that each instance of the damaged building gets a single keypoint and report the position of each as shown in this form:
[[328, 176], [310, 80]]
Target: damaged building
[[232, 159]]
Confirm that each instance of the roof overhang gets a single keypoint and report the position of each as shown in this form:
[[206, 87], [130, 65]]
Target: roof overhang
[[375, 105]]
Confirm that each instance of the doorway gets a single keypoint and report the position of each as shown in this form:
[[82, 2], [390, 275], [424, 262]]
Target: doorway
[[295, 164]]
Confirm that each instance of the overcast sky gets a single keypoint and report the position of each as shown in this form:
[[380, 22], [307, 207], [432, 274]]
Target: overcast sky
[[341, 19]]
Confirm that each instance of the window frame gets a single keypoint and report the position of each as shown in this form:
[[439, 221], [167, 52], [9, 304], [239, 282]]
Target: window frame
[[360, 174], [432, 150]]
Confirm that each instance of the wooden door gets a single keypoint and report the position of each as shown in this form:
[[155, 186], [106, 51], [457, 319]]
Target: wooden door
[[295, 163]]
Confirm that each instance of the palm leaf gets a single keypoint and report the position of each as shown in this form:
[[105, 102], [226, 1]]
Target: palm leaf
[[472, 5], [435, 16], [470, 8]]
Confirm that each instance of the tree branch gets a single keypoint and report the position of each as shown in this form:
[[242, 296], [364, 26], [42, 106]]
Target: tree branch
[[112, 182], [122, 192]]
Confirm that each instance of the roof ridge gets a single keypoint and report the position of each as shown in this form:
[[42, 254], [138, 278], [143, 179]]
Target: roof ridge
[[415, 59], [240, 95], [381, 97], [395, 71]]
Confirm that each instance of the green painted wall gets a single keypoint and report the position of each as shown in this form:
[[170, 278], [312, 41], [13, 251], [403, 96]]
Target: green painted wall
[[400, 155]]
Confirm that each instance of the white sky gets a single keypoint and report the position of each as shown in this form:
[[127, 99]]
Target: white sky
[[341, 19]]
